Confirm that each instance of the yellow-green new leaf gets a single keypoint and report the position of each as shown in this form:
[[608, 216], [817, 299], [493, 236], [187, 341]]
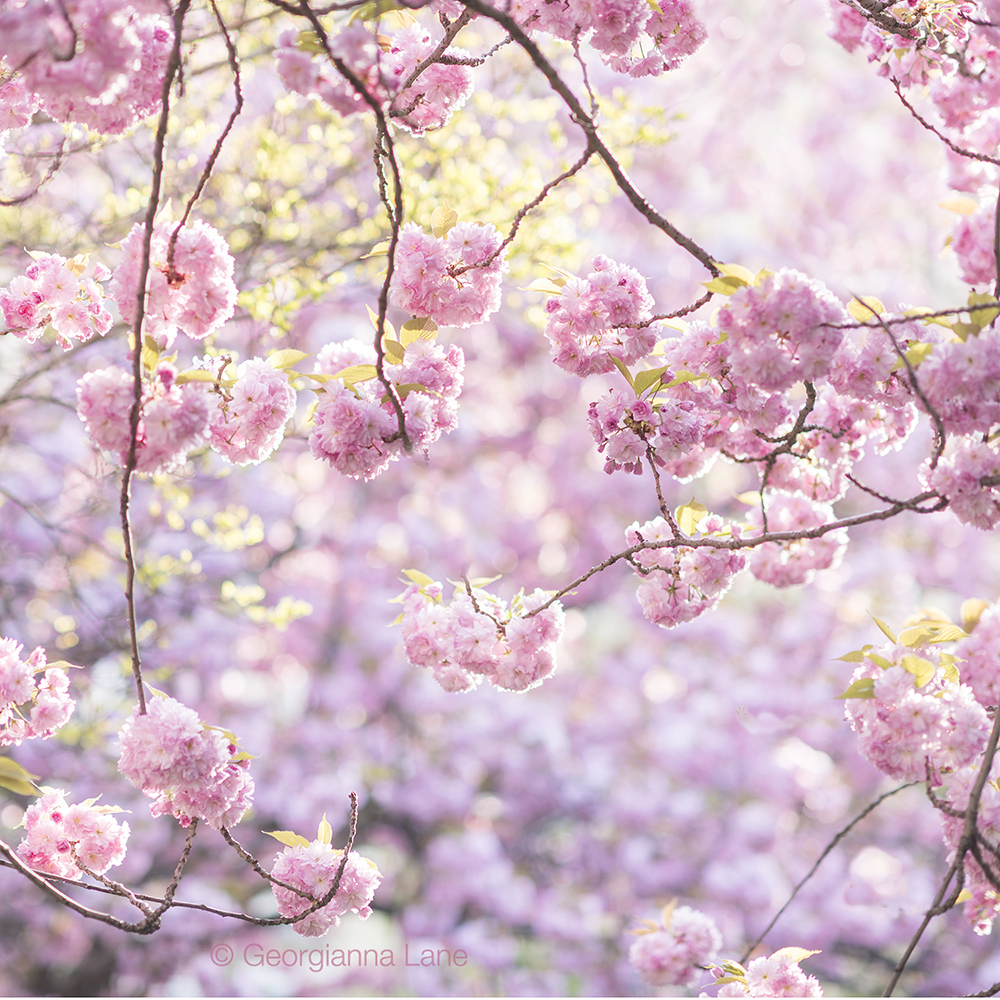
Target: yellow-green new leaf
[[621, 367], [879, 661], [15, 778], [949, 633], [379, 250], [737, 271], [914, 637], [726, 284], [668, 912], [388, 329], [62, 665], [983, 317], [286, 358], [865, 308], [971, 611], [688, 515], [287, 838], [794, 954], [443, 220], [916, 354], [194, 375], [325, 833], [421, 579], [646, 379], [550, 286], [357, 373], [923, 670], [394, 351], [886, 631], [963, 206], [419, 328], [950, 672], [684, 376], [864, 688], [854, 656]]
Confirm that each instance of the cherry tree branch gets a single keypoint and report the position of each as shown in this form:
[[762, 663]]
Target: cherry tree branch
[[173, 65], [587, 124]]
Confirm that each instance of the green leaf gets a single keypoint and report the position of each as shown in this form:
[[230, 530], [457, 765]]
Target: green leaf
[[418, 328], [668, 912], [964, 330], [688, 515], [194, 375], [242, 755], [865, 308], [286, 358], [150, 353], [405, 389], [421, 579], [325, 833], [885, 628], [794, 954], [443, 220], [645, 379], [879, 661], [15, 778], [287, 838], [923, 670], [394, 351], [951, 672], [62, 665], [621, 367], [357, 373], [684, 376], [864, 688]]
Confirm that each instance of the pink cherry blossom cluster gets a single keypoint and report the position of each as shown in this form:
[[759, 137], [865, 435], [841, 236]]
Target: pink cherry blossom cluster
[[174, 419], [959, 476], [17, 105], [439, 91], [313, 869], [677, 950], [979, 656], [480, 637], [382, 66], [55, 831], [680, 583], [188, 769], [247, 421], [663, 33], [597, 318], [780, 330], [671, 428], [795, 562], [914, 714], [961, 380], [447, 278], [356, 428], [51, 705], [778, 975], [53, 291], [96, 62], [197, 298]]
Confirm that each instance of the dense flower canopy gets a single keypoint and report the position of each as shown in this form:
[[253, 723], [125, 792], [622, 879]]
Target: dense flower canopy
[[305, 315]]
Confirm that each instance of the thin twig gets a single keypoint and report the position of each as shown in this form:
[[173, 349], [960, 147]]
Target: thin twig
[[812, 871]]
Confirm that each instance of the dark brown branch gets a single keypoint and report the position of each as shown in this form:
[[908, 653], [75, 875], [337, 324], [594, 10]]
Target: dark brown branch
[[586, 123], [173, 65]]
